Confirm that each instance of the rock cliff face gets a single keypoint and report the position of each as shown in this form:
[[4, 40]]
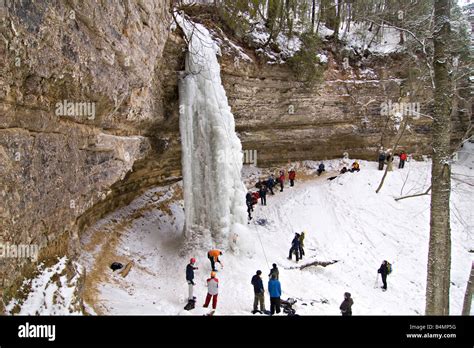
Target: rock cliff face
[[61, 169], [284, 120]]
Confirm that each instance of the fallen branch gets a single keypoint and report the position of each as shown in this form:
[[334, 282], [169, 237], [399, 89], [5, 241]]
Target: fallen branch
[[415, 195], [127, 269], [319, 263]]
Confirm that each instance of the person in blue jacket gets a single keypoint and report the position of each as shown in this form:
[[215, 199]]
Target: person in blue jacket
[[271, 183], [274, 288]]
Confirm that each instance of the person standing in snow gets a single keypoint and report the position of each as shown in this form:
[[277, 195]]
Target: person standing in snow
[[281, 179], [403, 158], [190, 277], [292, 176], [274, 271], [381, 159], [263, 194], [212, 291], [346, 305], [213, 256], [274, 289], [248, 201], [259, 292], [301, 239], [271, 183], [295, 247], [383, 270], [321, 168]]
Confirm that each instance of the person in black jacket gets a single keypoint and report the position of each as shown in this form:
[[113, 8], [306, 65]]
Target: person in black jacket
[[383, 270], [248, 201], [346, 305], [295, 247], [190, 278], [382, 158], [321, 168], [259, 292], [263, 194]]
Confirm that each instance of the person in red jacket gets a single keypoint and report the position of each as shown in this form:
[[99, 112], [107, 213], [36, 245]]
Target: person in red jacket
[[403, 158], [281, 179], [292, 176]]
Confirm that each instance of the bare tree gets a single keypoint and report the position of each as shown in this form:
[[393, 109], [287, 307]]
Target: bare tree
[[439, 255], [466, 308]]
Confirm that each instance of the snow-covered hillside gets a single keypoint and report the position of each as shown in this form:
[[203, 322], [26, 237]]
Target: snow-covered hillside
[[345, 220]]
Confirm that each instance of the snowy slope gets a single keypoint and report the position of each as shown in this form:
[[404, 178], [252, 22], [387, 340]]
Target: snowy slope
[[345, 221]]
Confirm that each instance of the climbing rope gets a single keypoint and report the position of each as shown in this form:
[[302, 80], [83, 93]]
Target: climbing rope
[[263, 248]]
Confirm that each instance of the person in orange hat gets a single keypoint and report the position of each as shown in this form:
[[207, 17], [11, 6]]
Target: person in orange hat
[[212, 291], [213, 256]]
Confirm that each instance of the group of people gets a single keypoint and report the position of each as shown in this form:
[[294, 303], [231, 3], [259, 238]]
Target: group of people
[[354, 168], [386, 157], [274, 290], [212, 282], [297, 246], [265, 186], [274, 285]]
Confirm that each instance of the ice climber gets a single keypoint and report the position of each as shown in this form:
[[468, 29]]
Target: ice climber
[[248, 202]]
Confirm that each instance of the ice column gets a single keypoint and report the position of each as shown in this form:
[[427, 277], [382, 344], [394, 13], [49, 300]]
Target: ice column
[[214, 195]]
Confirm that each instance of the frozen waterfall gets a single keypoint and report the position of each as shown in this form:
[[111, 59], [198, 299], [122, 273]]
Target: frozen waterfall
[[214, 194]]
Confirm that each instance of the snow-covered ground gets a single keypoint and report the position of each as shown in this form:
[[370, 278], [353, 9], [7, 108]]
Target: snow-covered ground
[[52, 292], [345, 220]]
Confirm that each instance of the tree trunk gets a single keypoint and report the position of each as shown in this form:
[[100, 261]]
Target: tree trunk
[[313, 12], [439, 255], [337, 19], [466, 308]]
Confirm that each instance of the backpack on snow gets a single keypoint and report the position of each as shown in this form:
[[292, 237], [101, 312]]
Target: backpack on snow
[[389, 267]]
